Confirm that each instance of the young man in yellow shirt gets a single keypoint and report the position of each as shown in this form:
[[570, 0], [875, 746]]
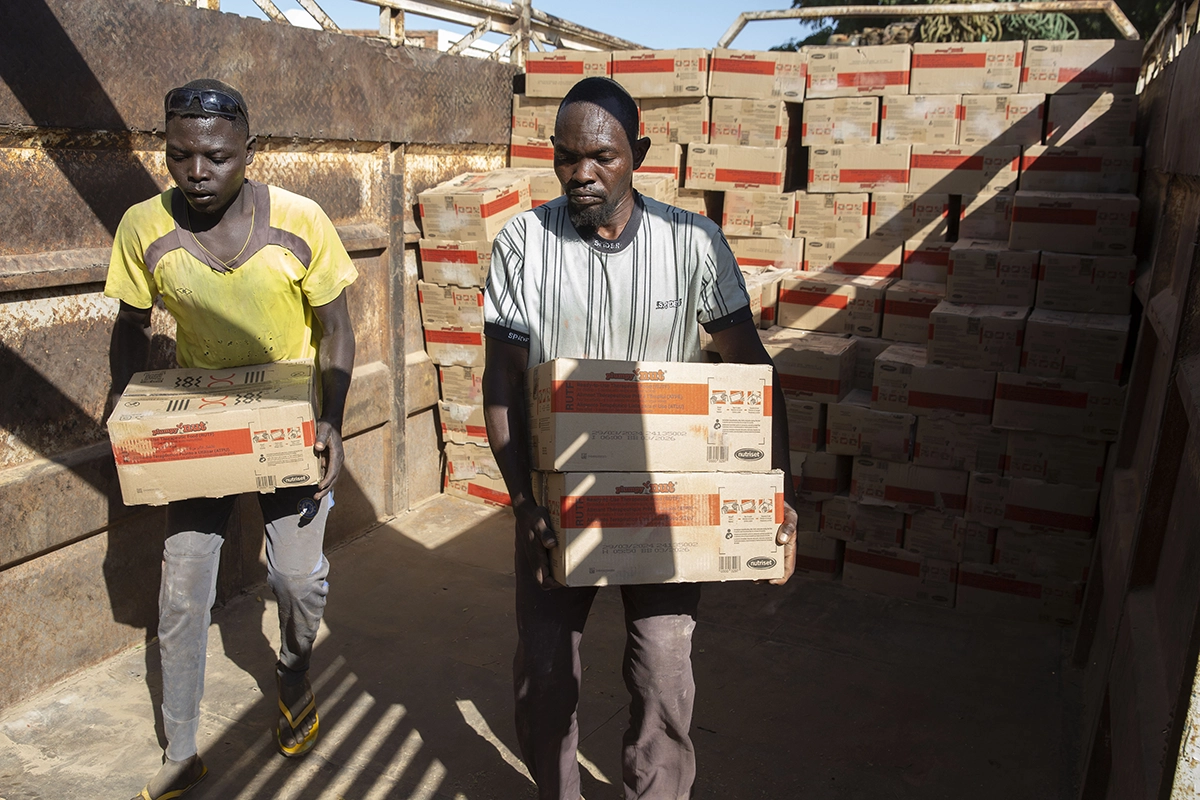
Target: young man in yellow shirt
[[251, 274]]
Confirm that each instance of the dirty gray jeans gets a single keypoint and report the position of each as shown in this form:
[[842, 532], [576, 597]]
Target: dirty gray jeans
[[659, 762], [296, 571]]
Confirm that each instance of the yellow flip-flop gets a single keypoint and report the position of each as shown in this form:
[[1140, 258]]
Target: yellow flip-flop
[[145, 793], [304, 745]]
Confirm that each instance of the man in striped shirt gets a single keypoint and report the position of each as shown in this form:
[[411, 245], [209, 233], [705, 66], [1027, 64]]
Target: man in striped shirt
[[605, 273]]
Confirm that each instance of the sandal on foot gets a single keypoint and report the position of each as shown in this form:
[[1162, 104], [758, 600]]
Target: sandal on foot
[[301, 747], [172, 793]]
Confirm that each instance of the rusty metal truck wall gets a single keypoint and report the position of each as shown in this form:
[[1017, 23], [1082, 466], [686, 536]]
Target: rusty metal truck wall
[[354, 123]]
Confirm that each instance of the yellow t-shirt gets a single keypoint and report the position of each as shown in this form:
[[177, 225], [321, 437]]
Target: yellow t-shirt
[[261, 309]]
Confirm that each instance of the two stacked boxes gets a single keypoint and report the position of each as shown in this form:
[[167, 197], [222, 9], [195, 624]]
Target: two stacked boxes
[[656, 472]]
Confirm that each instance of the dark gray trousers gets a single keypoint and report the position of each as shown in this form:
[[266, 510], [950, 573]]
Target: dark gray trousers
[[658, 761]]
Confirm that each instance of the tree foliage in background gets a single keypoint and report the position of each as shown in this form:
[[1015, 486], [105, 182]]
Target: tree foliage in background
[[1144, 14]]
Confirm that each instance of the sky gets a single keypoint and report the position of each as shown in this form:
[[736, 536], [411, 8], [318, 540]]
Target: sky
[[658, 24]]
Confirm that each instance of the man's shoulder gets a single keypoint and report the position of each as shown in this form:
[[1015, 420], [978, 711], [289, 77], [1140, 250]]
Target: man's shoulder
[[289, 204], [538, 217], [151, 217]]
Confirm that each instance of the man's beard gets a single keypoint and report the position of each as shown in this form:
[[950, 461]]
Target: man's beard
[[590, 217]]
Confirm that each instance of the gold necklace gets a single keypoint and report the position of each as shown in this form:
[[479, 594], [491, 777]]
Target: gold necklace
[[187, 210]]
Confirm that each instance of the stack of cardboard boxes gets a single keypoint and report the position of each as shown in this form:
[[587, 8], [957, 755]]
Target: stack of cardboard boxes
[[990, 297], [459, 220]]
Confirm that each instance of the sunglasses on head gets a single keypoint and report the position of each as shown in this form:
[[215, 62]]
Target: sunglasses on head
[[213, 101]]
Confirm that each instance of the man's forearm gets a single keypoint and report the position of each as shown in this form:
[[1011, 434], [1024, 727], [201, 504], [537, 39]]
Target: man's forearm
[[129, 350], [781, 457], [336, 363], [504, 415]]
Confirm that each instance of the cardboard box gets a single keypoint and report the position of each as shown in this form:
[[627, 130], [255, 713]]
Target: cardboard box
[[663, 188], [1088, 284], [904, 381], [763, 75], [1082, 347], [447, 261], [947, 442], [979, 541], [758, 214], [920, 119], [673, 119], [543, 183], [662, 73], [899, 573], [462, 423], [473, 206], [483, 489], [1032, 506], [853, 428], [926, 260], [1002, 119], [907, 487], [817, 556], [934, 534], [461, 384], [534, 117], [1055, 459], [663, 527], [1081, 169], [692, 200], [461, 347], [966, 67], [806, 423], [808, 517], [1092, 120], [553, 74], [770, 280], [819, 475], [985, 216], [473, 474], [450, 306], [183, 433], [858, 168], [1044, 554], [898, 217], [1001, 592], [724, 167], [1092, 224], [1082, 66], [864, 364], [812, 366], [776, 252], [842, 518], [664, 159], [624, 416], [906, 308], [832, 303], [1059, 406], [963, 169], [835, 71], [871, 257], [840, 120], [986, 271], [831, 216], [975, 336], [748, 123]]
